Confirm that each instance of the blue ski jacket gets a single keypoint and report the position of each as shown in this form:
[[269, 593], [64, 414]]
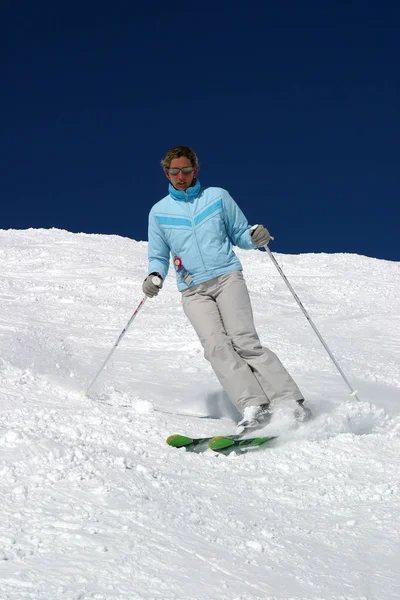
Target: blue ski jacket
[[200, 227]]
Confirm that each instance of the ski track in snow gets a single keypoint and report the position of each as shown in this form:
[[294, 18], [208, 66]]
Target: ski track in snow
[[95, 505]]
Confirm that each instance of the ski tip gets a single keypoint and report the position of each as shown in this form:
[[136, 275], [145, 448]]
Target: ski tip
[[220, 442], [179, 441], [228, 442]]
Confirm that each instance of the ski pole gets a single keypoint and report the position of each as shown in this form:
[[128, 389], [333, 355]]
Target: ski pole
[[325, 345], [121, 335], [157, 281]]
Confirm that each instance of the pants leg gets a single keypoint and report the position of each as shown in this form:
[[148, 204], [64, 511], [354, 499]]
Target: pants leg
[[237, 316], [233, 372]]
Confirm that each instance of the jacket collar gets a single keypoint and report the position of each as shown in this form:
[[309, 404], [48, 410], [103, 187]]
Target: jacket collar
[[190, 194]]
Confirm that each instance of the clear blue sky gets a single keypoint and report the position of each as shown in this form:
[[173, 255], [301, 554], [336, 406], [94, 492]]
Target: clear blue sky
[[294, 107]]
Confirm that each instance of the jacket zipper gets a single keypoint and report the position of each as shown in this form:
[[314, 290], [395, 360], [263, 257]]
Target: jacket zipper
[[194, 230]]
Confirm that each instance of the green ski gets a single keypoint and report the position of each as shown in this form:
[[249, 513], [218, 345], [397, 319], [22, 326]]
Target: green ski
[[178, 440], [221, 443], [217, 443]]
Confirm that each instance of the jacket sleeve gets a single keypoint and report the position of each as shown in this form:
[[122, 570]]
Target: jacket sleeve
[[158, 249], [237, 225]]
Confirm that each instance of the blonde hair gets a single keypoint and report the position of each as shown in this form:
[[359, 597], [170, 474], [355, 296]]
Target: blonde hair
[[177, 152]]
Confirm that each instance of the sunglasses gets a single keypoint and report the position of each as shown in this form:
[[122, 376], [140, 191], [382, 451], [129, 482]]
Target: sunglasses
[[185, 170]]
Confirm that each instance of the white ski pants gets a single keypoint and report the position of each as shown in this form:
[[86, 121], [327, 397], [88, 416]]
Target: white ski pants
[[221, 314]]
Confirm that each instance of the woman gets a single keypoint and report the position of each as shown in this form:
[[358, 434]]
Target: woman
[[199, 228]]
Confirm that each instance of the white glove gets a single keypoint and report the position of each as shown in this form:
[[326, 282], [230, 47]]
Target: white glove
[[152, 285], [259, 235]]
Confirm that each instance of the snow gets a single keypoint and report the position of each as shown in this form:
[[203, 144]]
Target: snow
[[95, 505]]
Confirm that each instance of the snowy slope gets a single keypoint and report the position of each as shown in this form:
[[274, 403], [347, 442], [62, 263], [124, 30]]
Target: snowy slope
[[95, 505]]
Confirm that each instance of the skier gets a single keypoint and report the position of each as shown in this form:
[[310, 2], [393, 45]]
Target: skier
[[199, 227]]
